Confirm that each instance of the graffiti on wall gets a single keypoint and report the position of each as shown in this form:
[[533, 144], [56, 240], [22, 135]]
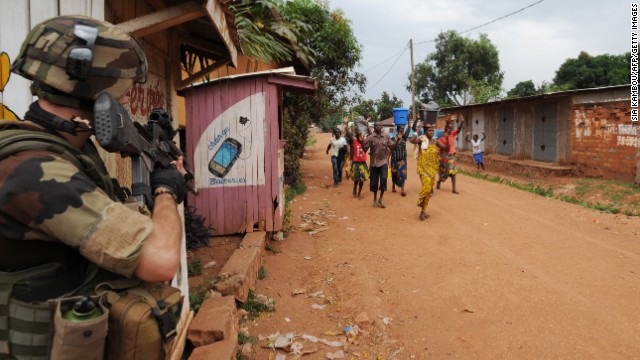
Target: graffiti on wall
[[145, 97], [228, 151], [5, 74], [626, 134]]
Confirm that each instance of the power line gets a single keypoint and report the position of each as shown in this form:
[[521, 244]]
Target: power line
[[490, 22], [384, 61], [386, 73], [433, 40]]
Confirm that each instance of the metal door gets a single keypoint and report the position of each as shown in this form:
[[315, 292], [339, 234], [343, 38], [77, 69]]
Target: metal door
[[477, 127], [545, 132], [504, 145]]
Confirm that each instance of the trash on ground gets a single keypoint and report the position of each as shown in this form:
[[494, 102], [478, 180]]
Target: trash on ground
[[336, 355], [278, 341], [298, 291], [315, 339], [318, 307]]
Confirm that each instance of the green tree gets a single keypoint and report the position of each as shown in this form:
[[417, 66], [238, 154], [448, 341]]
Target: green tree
[[546, 87], [385, 105], [448, 74], [523, 88], [264, 37], [329, 36], [366, 108], [588, 71]]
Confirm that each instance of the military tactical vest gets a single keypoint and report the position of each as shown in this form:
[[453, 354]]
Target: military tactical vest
[[54, 269]]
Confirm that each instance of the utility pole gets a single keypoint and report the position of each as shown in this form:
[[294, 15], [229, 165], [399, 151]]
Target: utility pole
[[413, 88]]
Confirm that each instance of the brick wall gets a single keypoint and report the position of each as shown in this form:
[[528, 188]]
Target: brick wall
[[603, 141]]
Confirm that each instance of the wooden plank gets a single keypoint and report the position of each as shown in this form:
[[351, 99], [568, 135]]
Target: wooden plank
[[218, 106], [295, 84], [219, 21], [252, 171], [202, 73], [73, 7], [128, 10], [258, 116], [274, 144], [265, 196], [214, 50], [97, 9], [42, 10], [163, 19]]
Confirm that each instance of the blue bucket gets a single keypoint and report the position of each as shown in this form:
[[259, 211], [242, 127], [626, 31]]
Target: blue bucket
[[400, 116]]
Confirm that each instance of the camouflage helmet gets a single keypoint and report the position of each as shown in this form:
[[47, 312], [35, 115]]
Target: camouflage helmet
[[72, 59]]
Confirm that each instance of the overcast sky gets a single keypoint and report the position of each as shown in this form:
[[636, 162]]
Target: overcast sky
[[532, 44]]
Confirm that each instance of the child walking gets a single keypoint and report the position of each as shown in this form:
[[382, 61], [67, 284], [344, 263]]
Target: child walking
[[477, 149]]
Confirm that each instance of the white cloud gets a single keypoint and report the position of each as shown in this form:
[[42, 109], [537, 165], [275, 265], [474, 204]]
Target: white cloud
[[532, 43]]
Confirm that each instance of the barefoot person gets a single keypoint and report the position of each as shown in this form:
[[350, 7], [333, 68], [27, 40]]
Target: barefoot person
[[359, 170], [428, 162], [379, 144], [448, 158], [399, 161]]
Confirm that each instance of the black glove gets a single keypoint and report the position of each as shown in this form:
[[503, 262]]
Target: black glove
[[172, 179]]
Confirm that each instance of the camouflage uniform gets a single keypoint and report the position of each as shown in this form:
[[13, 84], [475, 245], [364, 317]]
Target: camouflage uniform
[[44, 196], [61, 228]]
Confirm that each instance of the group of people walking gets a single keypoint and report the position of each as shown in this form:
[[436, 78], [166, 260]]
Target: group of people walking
[[436, 161]]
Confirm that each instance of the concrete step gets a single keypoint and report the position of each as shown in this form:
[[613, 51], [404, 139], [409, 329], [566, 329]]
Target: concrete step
[[214, 329], [240, 272]]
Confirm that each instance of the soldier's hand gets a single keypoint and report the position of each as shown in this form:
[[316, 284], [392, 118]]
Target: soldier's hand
[[172, 179]]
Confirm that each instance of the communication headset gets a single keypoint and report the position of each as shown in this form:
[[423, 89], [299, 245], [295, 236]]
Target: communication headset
[[80, 57]]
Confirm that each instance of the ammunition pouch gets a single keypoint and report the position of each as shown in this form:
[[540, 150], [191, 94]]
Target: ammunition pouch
[[25, 318]]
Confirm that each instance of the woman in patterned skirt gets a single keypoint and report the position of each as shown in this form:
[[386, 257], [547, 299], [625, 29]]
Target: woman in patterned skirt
[[428, 163]]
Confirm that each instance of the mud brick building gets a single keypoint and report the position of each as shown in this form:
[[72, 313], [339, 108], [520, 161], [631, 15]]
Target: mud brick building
[[585, 132]]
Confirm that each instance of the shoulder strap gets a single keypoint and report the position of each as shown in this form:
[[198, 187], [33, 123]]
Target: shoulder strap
[[18, 137]]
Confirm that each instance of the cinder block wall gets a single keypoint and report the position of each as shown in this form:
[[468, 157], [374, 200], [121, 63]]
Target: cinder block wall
[[603, 141]]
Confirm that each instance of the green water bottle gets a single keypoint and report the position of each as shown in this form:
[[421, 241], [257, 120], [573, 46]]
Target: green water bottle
[[83, 310]]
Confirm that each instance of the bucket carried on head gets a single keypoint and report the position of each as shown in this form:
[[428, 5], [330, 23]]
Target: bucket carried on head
[[400, 116]]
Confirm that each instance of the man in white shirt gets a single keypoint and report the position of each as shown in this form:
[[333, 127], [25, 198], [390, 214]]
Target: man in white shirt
[[338, 147]]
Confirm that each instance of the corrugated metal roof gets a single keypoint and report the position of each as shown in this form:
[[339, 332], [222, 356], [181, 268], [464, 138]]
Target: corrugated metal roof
[[542, 96]]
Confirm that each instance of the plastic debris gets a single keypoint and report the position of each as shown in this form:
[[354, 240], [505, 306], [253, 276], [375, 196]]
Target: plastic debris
[[318, 307], [336, 355], [315, 339]]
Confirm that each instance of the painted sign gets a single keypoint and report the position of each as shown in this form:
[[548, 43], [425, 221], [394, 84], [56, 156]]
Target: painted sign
[[626, 134], [230, 150], [5, 72], [145, 97]]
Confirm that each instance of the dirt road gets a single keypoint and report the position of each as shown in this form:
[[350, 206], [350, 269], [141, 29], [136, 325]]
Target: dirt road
[[494, 273]]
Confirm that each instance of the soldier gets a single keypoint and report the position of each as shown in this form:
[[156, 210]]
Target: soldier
[[62, 228]]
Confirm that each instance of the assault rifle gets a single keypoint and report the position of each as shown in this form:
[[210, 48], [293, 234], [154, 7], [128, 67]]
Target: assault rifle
[[149, 146]]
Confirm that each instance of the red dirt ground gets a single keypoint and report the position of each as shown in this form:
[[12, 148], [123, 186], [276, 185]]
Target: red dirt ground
[[494, 273]]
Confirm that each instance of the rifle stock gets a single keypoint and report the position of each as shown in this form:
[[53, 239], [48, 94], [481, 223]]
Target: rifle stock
[[116, 132]]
